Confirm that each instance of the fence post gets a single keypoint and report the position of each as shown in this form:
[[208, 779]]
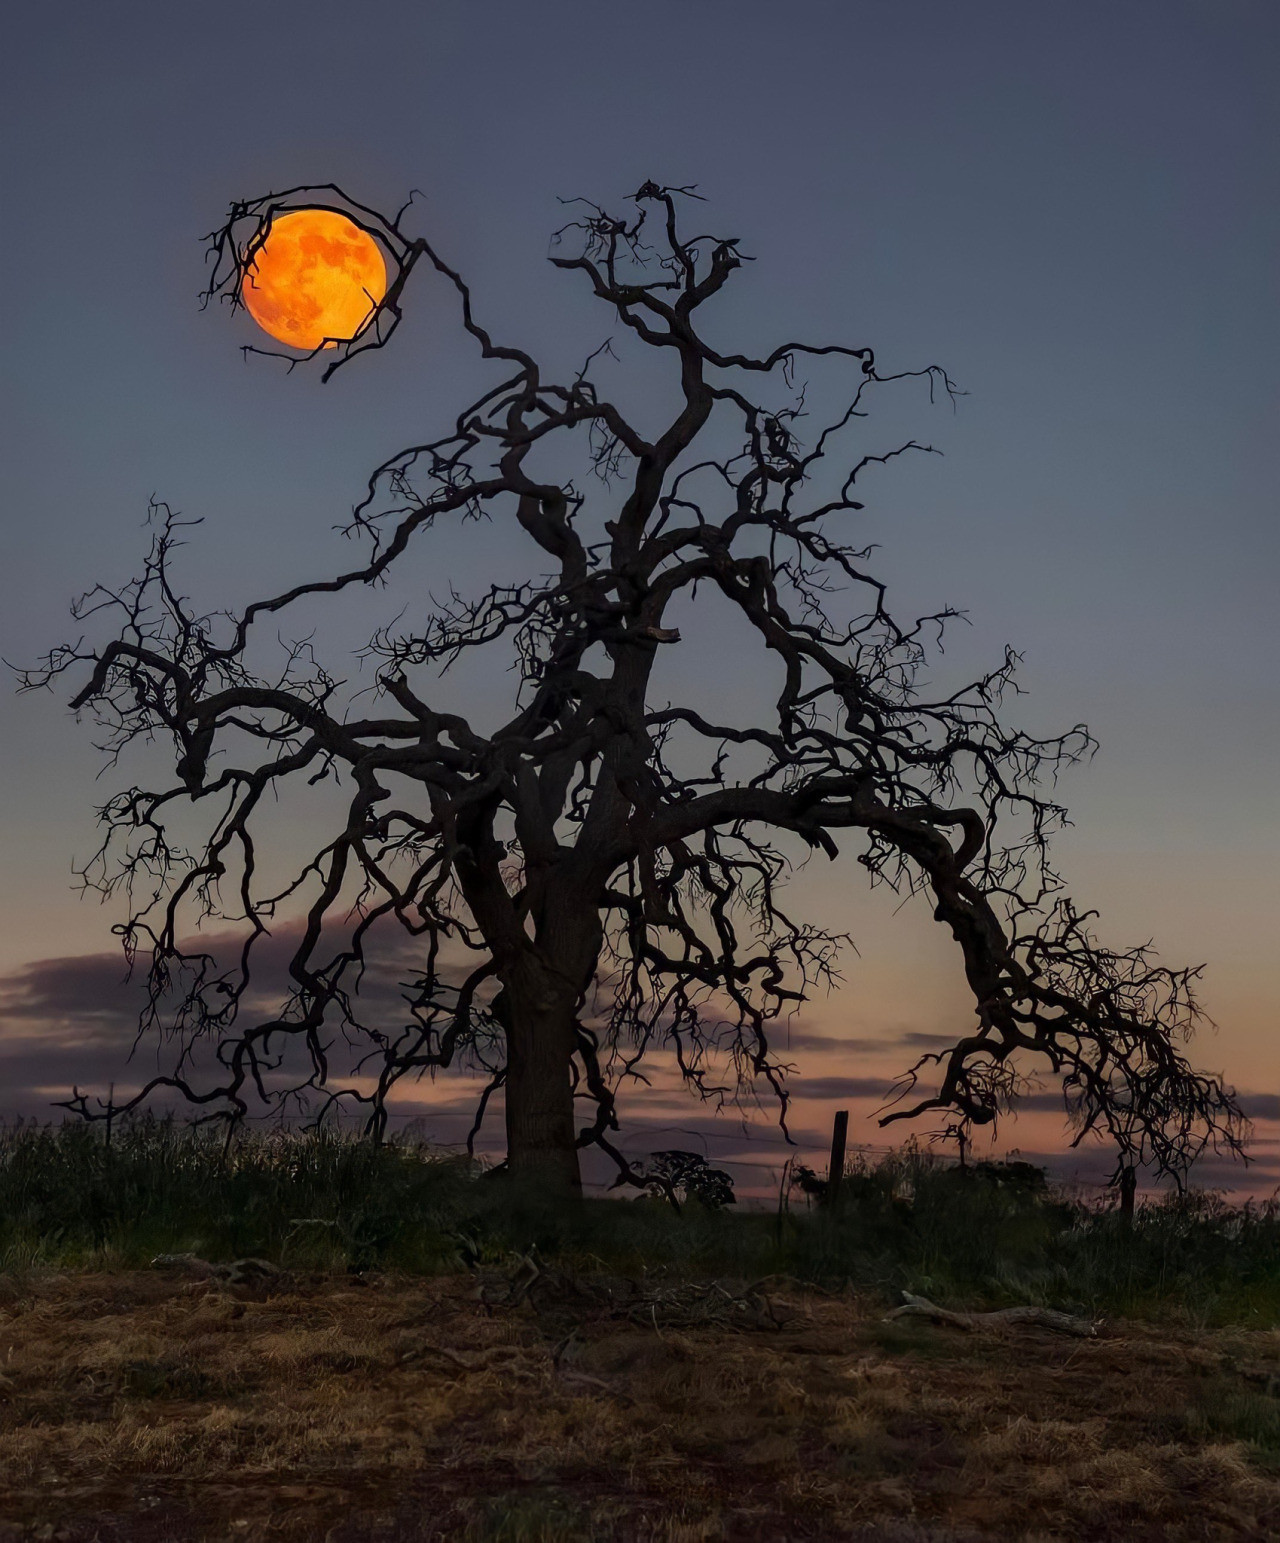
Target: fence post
[[1128, 1188], [835, 1172]]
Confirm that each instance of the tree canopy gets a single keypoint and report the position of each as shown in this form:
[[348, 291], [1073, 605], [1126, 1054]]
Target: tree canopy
[[602, 872]]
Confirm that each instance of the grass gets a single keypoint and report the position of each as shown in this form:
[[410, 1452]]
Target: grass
[[140, 1407], [1227, 1411], [378, 1388], [991, 1235]]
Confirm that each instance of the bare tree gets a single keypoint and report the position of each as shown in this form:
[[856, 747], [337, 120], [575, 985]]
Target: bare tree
[[602, 873]]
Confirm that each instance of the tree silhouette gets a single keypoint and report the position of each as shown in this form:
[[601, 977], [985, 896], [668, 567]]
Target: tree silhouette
[[601, 873]]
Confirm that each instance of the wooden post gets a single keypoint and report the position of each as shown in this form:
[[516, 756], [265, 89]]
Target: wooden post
[[835, 1172], [1128, 1188]]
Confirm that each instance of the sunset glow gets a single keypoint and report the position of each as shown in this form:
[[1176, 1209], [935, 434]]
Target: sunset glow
[[315, 280]]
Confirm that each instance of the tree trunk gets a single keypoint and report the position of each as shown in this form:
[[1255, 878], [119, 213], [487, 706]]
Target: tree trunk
[[541, 1130]]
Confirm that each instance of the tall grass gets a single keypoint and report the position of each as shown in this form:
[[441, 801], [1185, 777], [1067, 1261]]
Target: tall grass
[[70, 1196], [990, 1234]]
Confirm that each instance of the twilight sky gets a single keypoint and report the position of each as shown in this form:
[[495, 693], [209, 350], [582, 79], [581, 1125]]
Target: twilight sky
[[1073, 207]]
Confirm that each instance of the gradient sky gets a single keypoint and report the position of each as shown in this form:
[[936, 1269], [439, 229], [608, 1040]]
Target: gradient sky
[[1073, 207]]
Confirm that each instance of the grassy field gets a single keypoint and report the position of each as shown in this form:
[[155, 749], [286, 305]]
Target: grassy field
[[424, 1355]]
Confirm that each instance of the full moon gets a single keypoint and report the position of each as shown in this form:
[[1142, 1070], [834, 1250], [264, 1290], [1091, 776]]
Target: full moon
[[315, 280]]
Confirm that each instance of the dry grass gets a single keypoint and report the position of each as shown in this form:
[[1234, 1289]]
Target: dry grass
[[140, 1407]]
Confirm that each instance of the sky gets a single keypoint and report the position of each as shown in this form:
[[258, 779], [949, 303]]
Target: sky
[[1071, 207]]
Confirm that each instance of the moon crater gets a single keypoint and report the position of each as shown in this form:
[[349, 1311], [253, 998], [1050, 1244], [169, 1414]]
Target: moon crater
[[314, 279]]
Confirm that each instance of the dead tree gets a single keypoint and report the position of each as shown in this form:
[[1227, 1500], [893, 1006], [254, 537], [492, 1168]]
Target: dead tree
[[601, 874]]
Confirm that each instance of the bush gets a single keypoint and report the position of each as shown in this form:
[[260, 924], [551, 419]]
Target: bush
[[685, 1176]]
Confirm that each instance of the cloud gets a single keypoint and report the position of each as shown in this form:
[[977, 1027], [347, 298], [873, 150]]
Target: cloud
[[73, 1021], [1051, 1100], [1263, 1107], [802, 1039], [878, 1088], [88, 997], [68, 1021]]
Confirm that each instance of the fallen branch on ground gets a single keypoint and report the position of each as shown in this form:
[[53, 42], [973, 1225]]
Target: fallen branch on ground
[[241, 1272], [496, 1357], [1004, 1317], [675, 1305]]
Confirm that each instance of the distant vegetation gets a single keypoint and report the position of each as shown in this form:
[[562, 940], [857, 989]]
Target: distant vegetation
[[995, 1233]]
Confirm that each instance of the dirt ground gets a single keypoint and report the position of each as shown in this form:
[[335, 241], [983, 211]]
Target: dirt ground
[[136, 1408]]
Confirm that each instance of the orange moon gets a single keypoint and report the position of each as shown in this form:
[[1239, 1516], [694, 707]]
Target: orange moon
[[315, 280]]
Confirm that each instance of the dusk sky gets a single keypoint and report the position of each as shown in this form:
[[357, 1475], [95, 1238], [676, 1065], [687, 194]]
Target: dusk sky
[[1072, 207]]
